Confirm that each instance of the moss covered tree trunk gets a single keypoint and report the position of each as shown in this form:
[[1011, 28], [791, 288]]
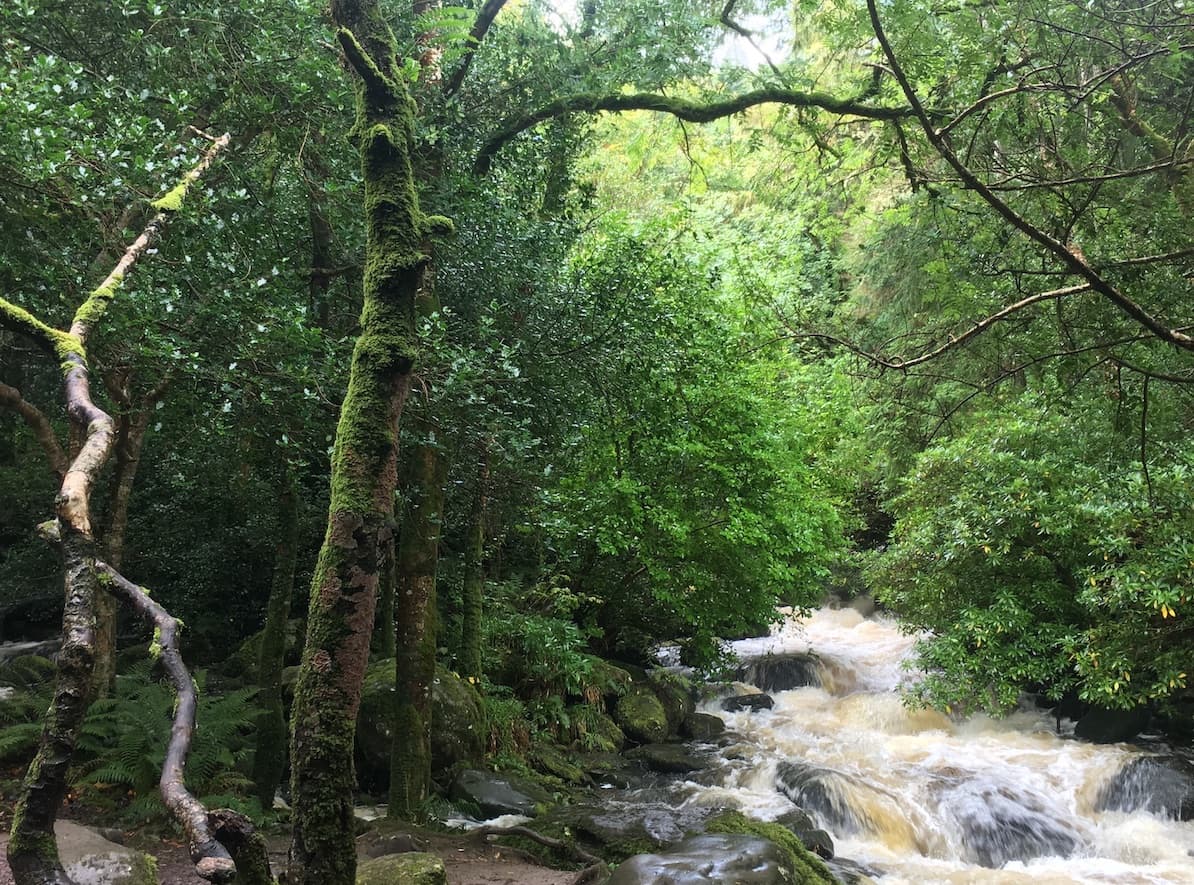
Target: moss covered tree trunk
[[474, 573], [269, 761], [414, 617], [364, 470]]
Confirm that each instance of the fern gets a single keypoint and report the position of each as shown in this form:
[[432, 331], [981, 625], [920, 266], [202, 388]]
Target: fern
[[123, 741]]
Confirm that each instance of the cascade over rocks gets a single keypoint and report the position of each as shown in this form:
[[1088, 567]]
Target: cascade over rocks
[[781, 672], [713, 858], [1160, 785]]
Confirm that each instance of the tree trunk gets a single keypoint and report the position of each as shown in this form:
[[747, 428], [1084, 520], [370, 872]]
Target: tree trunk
[[474, 575], [269, 761], [344, 586], [414, 616]]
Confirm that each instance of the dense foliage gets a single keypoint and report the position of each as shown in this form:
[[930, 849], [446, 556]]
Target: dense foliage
[[677, 366]]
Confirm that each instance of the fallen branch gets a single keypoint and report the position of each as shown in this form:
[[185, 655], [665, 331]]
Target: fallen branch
[[211, 858], [546, 841]]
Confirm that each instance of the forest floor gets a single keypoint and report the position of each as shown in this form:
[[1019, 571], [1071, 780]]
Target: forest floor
[[468, 862]]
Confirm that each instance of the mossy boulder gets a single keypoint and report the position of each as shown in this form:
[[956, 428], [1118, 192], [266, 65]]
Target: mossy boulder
[[457, 724], [607, 681], [808, 869], [242, 663], [641, 715], [412, 868], [555, 762], [89, 857], [676, 694], [612, 834], [602, 734]]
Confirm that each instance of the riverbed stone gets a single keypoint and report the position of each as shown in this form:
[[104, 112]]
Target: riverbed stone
[[497, 794], [1160, 785], [90, 859], [412, 868], [668, 758], [613, 834], [712, 858], [752, 702], [702, 726], [641, 716]]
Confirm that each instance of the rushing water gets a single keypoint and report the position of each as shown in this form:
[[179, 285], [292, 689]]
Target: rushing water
[[924, 798]]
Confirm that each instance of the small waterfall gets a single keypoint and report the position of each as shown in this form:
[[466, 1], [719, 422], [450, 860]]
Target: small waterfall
[[925, 798]]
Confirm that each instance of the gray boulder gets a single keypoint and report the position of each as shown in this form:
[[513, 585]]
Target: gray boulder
[[498, 794]]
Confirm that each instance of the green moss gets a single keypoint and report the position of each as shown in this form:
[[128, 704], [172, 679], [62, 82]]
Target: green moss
[[808, 867], [155, 647], [171, 201], [92, 310]]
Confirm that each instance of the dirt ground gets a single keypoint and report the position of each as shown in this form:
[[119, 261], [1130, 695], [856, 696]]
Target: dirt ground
[[468, 863]]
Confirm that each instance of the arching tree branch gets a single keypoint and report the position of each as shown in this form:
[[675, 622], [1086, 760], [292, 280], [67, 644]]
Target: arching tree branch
[[683, 109], [1071, 258]]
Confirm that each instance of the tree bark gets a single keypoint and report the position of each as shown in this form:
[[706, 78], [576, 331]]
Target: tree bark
[[474, 574], [414, 617], [364, 470], [269, 761]]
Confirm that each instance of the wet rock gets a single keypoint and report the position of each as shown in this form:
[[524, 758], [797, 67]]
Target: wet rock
[[1101, 726], [604, 735], [605, 768], [668, 758], [781, 672], [752, 702], [702, 726], [851, 872], [844, 803], [796, 820], [498, 794], [414, 868], [641, 716], [90, 859], [1160, 785], [817, 841], [712, 858], [1001, 824], [612, 833]]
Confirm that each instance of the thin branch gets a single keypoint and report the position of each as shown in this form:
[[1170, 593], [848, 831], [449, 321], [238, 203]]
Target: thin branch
[[975, 330], [750, 38], [11, 398], [547, 841], [684, 109], [212, 861], [1072, 258]]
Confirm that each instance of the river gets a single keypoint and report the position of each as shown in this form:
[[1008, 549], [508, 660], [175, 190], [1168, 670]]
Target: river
[[925, 798]]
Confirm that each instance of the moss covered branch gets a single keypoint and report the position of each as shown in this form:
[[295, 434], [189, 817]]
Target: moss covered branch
[[682, 109]]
